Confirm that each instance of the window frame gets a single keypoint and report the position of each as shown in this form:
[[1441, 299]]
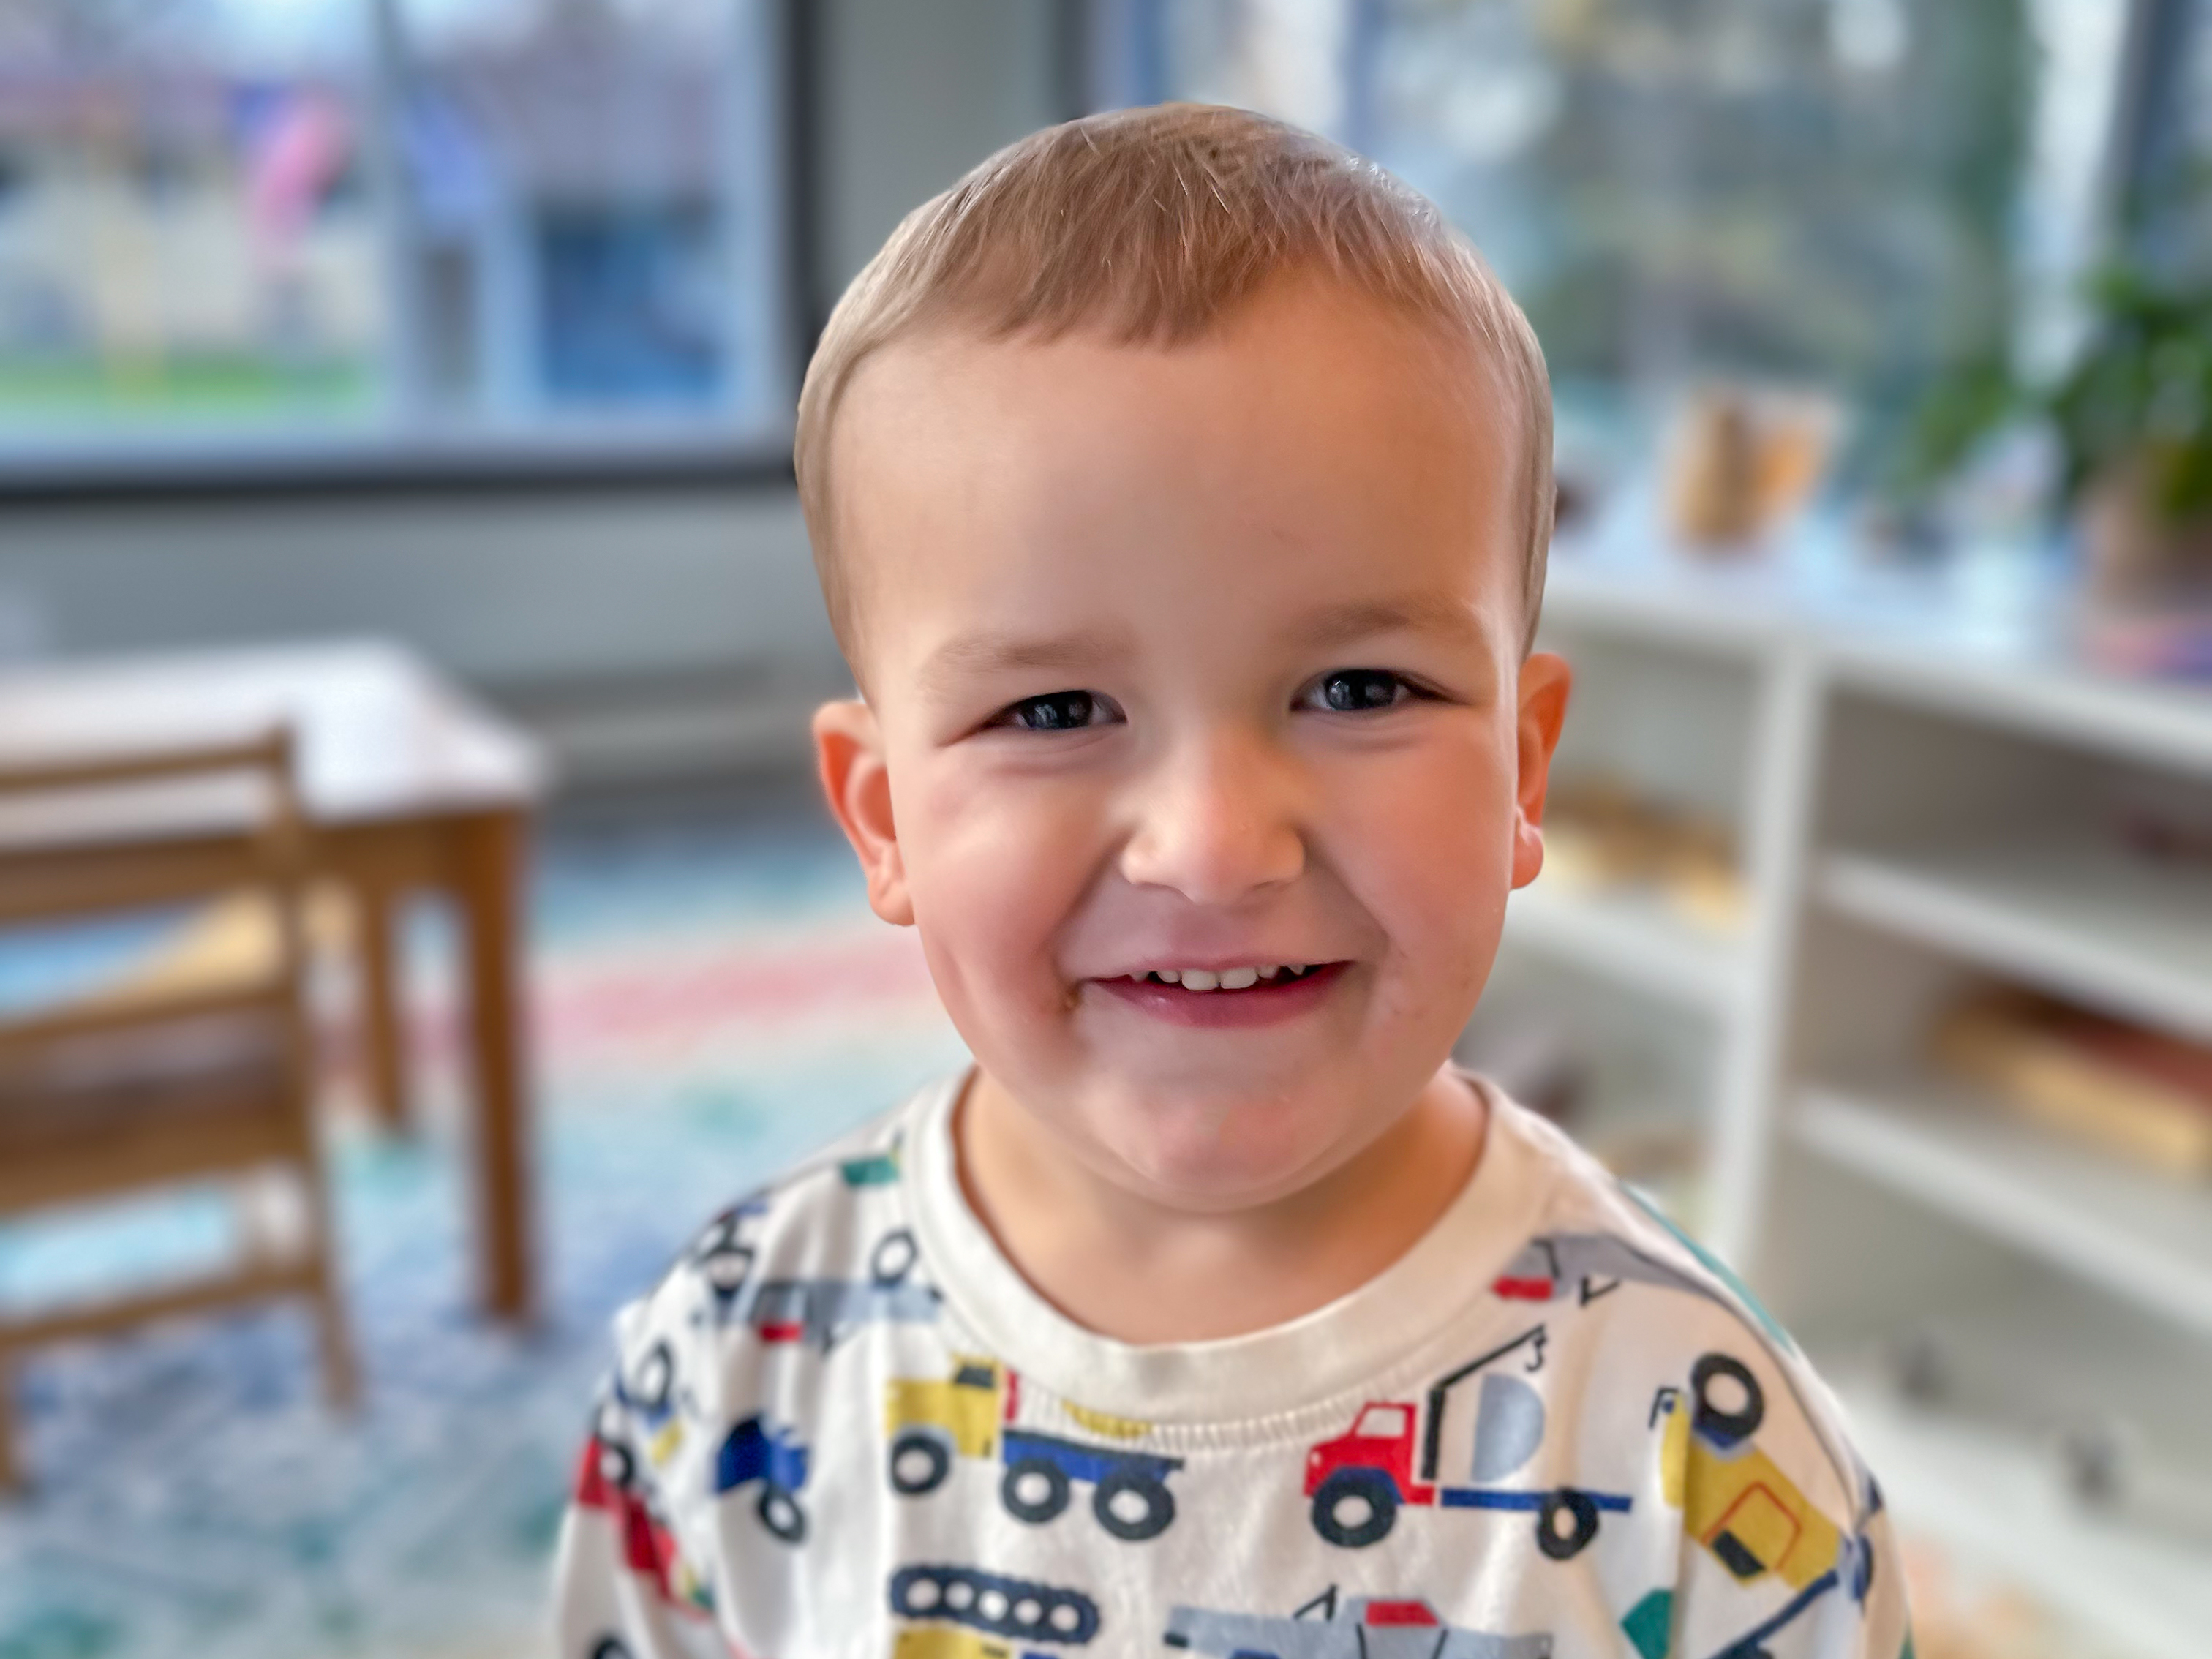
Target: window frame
[[634, 452]]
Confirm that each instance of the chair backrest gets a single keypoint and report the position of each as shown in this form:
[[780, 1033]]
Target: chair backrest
[[88, 837], [120, 830]]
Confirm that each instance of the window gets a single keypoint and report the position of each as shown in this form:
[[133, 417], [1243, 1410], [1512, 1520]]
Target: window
[[1851, 192], [1381, 1422], [2175, 200], [271, 230]]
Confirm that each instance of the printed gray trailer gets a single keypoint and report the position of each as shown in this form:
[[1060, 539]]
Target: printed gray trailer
[[1362, 1627]]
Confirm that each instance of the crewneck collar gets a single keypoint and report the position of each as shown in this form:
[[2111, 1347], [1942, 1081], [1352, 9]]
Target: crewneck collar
[[1315, 1358]]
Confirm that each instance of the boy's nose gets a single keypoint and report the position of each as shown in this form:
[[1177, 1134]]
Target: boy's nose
[[1216, 823]]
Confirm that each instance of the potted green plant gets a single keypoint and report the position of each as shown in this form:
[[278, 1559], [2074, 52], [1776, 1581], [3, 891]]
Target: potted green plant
[[2132, 421]]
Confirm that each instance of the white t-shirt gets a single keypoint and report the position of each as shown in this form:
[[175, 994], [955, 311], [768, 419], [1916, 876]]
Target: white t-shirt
[[844, 1425]]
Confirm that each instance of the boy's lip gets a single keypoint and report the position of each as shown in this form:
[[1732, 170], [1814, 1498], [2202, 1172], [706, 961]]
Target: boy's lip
[[1267, 1003]]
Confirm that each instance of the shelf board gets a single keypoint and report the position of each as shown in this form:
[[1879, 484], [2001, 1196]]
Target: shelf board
[[2041, 693], [2133, 1234], [1997, 1502], [2095, 923], [1632, 937]]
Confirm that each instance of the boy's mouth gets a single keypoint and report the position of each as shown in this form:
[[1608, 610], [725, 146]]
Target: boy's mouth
[[1202, 979], [1252, 995]]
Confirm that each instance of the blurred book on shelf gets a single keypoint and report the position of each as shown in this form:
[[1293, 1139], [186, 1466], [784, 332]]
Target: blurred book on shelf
[[1602, 835], [2134, 1093]]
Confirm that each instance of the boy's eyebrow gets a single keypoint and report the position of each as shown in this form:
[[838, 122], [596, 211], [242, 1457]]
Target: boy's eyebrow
[[984, 654], [1415, 613]]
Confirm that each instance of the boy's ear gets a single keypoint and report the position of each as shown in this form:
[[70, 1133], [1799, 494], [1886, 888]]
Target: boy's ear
[[848, 756], [1545, 680]]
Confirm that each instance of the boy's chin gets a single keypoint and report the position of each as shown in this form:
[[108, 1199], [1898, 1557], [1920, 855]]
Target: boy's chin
[[1219, 1158]]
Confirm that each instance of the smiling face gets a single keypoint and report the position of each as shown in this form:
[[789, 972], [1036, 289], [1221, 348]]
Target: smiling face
[[1191, 668]]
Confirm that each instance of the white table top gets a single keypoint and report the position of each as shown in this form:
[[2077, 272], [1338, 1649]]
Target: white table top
[[381, 734]]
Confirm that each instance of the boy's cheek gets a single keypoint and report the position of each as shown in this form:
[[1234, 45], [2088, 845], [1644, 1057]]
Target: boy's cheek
[[996, 876]]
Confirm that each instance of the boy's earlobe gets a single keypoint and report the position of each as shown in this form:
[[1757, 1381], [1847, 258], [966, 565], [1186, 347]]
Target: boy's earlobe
[[849, 757], [1545, 683]]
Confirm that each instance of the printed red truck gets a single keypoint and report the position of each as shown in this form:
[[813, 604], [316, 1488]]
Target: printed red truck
[[1390, 1459]]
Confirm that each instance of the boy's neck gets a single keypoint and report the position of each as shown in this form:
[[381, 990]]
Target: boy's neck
[[1125, 1267]]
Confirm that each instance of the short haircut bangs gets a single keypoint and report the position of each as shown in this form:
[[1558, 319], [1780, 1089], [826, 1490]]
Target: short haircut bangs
[[1151, 226]]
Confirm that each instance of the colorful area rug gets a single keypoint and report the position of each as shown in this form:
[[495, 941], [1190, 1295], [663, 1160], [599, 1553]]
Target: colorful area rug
[[711, 1000]]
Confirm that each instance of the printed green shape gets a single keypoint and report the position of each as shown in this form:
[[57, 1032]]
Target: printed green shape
[[880, 1170], [1650, 1626]]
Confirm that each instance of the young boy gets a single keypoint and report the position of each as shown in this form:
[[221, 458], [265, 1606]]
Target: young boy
[[1181, 487]]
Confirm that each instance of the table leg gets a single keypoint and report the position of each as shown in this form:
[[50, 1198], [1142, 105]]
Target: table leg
[[11, 1470], [488, 874], [377, 909]]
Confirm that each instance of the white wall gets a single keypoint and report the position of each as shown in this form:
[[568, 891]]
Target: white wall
[[513, 591]]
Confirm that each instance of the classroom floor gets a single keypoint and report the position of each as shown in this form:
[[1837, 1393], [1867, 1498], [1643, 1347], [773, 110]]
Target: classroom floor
[[712, 997]]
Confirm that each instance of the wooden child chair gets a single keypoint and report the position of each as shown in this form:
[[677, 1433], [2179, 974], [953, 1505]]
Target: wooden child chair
[[128, 1090]]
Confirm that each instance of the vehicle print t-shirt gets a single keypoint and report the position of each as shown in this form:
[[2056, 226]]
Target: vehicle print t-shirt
[[844, 1425]]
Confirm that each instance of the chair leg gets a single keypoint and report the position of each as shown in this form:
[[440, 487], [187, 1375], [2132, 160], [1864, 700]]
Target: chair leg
[[11, 1472]]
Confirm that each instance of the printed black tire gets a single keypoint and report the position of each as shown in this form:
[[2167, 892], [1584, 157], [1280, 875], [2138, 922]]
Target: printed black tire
[[780, 1513], [725, 1267], [656, 1379], [1057, 1615], [1148, 1490], [1039, 1510], [611, 1647], [893, 1258], [935, 1454], [1361, 1485], [1581, 1513], [1717, 1423]]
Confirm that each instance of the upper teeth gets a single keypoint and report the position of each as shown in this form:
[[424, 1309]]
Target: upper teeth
[[1228, 979]]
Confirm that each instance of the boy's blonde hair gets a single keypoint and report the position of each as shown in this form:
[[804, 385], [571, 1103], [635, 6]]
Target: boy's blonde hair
[[1152, 225]]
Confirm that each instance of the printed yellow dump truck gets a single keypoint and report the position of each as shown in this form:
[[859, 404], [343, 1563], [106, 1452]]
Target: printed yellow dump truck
[[1734, 1501], [931, 1420], [1742, 1510], [970, 1414]]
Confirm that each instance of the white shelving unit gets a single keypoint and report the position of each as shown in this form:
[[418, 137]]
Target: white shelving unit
[[2137, 1237], [1633, 939], [1923, 808], [2086, 922], [1994, 1498]]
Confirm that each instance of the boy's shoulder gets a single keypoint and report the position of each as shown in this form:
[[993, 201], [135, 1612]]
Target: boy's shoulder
[[805, 1259], [1596, 1233], [1619, 1279]]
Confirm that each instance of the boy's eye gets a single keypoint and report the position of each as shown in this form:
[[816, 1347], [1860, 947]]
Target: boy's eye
[[1057, 711], [1355, 690]]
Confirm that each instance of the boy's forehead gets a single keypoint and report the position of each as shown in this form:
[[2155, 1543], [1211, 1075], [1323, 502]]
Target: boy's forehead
[[1310, 432], [1303, 350]]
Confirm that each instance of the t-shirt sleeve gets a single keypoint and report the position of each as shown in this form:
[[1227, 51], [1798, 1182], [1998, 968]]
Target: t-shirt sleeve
[[1786, 1549], [623, 1588]]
